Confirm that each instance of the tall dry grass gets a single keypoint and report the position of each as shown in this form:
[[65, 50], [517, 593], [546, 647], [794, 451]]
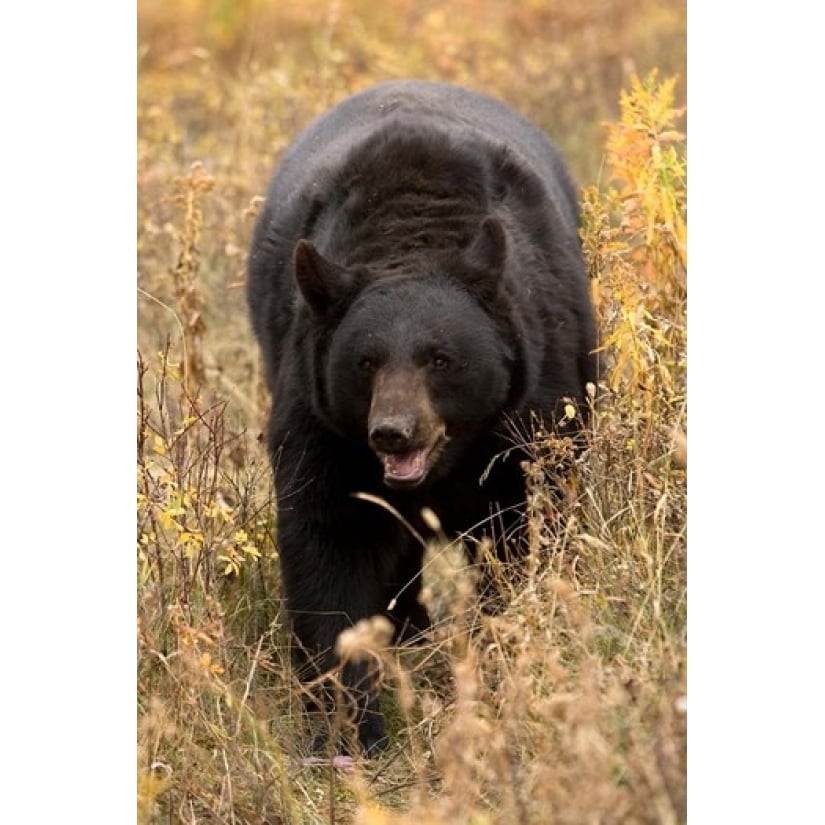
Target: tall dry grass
[[568, 704]]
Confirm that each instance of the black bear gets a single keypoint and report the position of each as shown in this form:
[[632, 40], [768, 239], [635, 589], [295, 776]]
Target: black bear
[[415, 283]]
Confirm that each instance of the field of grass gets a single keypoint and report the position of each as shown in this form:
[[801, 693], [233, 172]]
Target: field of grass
[[568, 706]]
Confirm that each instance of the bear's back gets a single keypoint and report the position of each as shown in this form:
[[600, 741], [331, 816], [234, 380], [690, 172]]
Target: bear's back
[[401, 106]]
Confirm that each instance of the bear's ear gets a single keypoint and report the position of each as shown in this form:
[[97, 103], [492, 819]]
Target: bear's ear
[[321, 282], [486, 255]]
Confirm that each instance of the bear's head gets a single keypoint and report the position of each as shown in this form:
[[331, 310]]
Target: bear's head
[[415, 363]]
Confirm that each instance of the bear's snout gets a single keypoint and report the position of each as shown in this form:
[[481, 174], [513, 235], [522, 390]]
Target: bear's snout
[[392, 434], [404, 430]]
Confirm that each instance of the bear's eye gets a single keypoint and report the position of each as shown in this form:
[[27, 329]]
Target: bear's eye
[[366, 364], [439, 361]]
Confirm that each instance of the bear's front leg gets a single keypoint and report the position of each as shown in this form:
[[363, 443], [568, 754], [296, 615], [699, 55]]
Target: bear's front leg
[[331, 580], [348, 697]]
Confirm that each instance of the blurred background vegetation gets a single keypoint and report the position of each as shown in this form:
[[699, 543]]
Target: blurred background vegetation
[[562, 64]]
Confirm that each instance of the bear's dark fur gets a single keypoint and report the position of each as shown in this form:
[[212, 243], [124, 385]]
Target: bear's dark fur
[[415, 282]]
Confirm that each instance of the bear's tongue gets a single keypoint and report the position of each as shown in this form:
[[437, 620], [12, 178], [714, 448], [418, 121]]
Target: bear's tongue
[[405, 466]]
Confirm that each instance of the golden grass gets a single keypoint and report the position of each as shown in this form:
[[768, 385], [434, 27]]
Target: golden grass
[[568, 705]]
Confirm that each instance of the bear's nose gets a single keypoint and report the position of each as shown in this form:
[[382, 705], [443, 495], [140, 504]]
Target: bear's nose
[[393, 434]]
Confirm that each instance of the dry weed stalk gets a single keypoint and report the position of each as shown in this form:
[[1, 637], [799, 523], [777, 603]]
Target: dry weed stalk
[[188, 194]]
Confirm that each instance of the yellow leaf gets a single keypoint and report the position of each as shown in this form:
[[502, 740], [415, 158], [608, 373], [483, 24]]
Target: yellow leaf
[[150, 785], [167, 520]]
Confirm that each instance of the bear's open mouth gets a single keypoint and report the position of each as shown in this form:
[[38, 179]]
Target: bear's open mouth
[[406, 467], [410, 468]]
